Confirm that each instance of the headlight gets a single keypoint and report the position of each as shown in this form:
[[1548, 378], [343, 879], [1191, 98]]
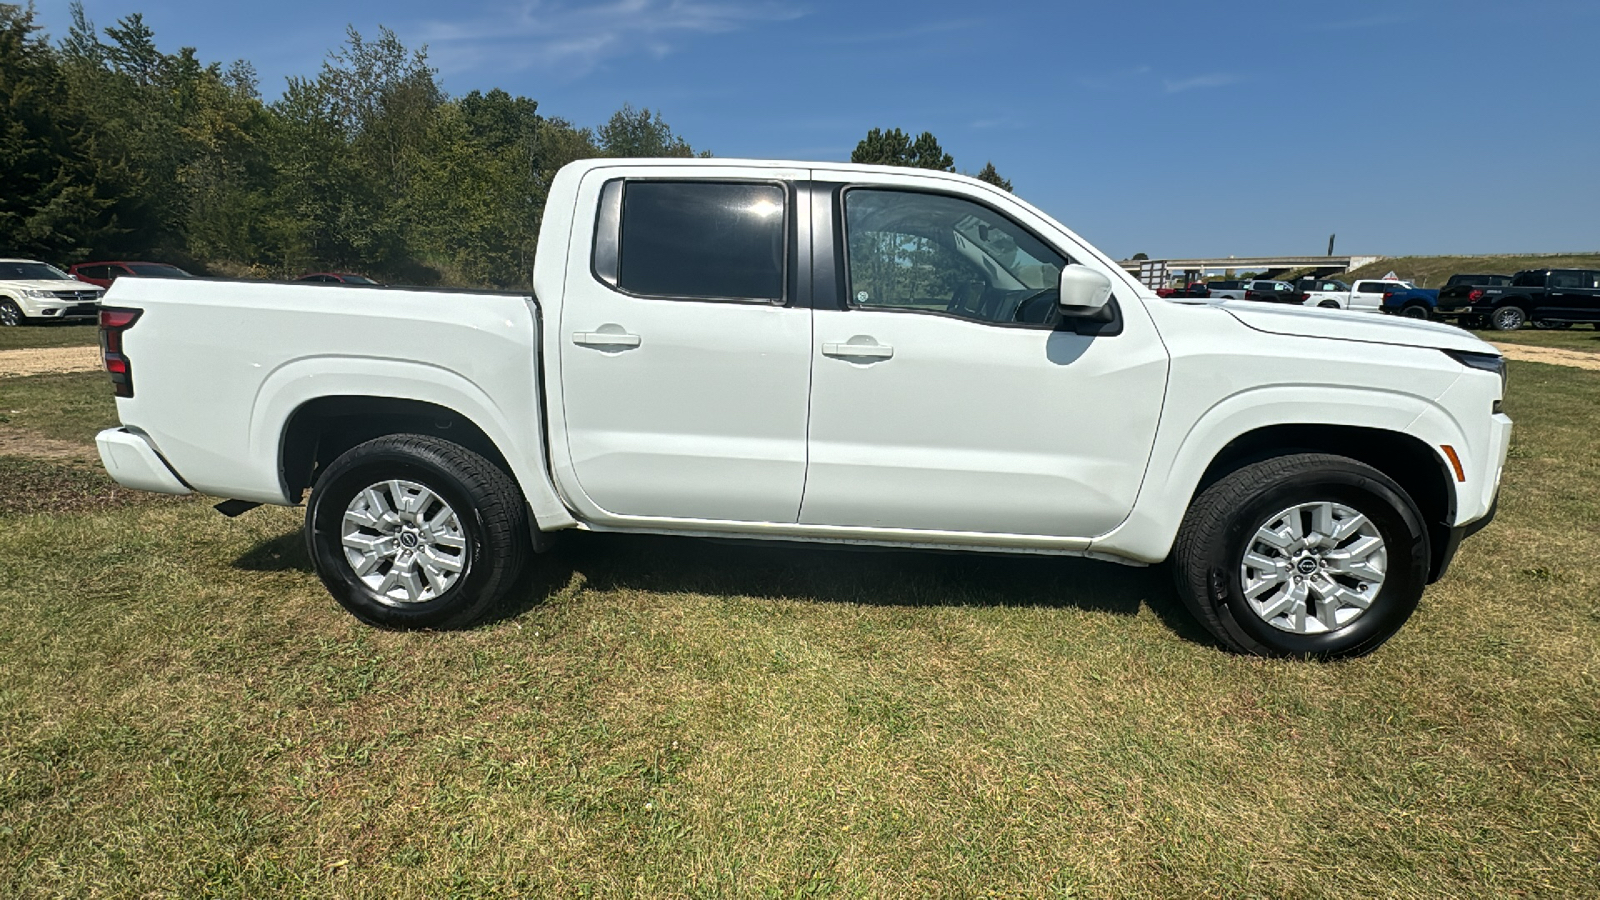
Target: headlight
[[1488, 362], [39, 295]]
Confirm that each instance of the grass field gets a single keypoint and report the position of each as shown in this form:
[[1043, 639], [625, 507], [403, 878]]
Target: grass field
[[1434, 271], [1576, 338], [68, 335], [184, 712]]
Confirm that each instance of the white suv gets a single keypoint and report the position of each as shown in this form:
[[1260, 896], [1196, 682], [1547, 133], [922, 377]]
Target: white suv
[[30, 289]]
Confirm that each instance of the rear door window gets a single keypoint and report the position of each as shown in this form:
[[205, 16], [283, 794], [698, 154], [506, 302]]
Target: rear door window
[[703, 240]]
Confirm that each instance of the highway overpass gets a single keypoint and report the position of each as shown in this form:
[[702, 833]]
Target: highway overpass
[[1159, 272]]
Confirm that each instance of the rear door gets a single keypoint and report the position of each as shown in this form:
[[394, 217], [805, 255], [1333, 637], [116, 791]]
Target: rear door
[[684, 354], [947, 393], [1568, 297], [1368, 295]]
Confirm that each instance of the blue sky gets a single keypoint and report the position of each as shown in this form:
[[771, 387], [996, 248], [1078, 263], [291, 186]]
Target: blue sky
[[1176, 129]]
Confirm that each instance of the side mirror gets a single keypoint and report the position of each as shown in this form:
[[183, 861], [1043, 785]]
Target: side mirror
[[1084, 292]]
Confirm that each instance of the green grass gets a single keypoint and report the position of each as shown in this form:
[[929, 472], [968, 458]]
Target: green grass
[[1578, 337], [184, 712], [70, 334], [1434, 271], [60, 407]]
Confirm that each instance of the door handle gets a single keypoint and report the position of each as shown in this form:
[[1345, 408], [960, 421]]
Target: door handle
[[858, 347], [616, 340]]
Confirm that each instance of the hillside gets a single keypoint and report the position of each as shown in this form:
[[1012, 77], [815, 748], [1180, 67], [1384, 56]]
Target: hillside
[[1432, 271]]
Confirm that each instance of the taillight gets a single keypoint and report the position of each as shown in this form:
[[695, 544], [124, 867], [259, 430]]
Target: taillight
[[1304, 297], [1474, 296], [113, 322]]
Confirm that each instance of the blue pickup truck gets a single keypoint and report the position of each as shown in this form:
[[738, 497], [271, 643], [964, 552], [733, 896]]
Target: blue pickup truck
[[1411, 302]]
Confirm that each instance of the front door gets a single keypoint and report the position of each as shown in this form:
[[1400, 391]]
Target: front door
[[684, 362], [947, 393]]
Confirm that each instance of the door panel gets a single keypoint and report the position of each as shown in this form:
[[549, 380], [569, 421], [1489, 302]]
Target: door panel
[[685, 408], [975, 427], [945, 394]]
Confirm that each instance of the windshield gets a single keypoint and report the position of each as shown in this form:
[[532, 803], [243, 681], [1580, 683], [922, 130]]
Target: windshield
[[32, 271], [158, 270]]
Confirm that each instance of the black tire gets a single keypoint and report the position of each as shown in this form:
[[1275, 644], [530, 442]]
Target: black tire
[[1473, 322], [11, 313], [1414, 311], [1223, 520], [1328, 304], [488, 505], [1508, 318]]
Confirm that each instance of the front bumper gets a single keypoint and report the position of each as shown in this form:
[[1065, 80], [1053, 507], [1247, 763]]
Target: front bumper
[[133, 462], [62, 309], [1446, 544]]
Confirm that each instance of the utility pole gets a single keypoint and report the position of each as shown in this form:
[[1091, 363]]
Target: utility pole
[[1330, 243]]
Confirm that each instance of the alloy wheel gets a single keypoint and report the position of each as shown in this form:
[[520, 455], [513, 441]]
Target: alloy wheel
[[1313, 568]]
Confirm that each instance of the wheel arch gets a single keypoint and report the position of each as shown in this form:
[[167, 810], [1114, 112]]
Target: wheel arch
[[322, 429], [1405, 458], [307, 407]]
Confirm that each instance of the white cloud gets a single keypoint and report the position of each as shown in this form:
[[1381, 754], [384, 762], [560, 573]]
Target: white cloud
[[1199, 81], [572, 39]]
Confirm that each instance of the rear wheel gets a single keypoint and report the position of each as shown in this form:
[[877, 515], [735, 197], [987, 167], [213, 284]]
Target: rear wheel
[[1508, 318], [1329, 304], [1414, 311], [1307, 555], [10, 313], [408, 531]]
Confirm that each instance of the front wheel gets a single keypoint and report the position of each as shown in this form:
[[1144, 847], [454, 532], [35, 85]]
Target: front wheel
[[1508, 318], [1309, 555], [408, 531], [10, 313]]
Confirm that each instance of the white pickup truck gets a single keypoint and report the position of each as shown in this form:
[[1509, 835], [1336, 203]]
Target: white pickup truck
[[820, 352], [1366, 295]]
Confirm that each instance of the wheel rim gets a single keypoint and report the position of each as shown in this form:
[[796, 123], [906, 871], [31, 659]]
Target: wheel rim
[[404, 542], [1414, 312], [1313, 568], [1508, 319], [8, 313]]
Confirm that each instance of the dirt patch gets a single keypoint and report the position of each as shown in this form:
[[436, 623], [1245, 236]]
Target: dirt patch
[[47, 485], [1552, 355], [48, 361], [22, 443]]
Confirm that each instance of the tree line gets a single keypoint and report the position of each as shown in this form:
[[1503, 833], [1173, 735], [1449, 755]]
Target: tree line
[[111, 148], [114, 149]]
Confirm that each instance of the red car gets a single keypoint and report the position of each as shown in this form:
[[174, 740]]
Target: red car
[[103, 273], [1193, 289], [336, 278]]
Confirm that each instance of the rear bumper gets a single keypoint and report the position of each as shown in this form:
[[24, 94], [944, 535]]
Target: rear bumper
[[133, 462]]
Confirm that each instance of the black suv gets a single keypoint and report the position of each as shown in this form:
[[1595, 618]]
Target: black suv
[[1555, 297]]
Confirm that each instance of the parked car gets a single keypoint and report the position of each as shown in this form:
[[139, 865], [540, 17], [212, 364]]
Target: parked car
[[678, 368], [1227, 290], [1458, 294], [1549, 297], [33, 291], [1366, 295], [1272, 292], [336, 278], [103, 273], [1327, 293], [1411, 302], [1196, 289]]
